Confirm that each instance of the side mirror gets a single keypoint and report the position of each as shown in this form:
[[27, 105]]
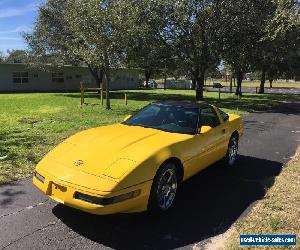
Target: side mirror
[[204, 129], [127, 117]]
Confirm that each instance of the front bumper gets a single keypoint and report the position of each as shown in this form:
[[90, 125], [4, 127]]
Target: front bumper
[[65, 193]]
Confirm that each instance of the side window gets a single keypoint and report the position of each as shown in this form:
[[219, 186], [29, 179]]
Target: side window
[[209, 117], [20, 77], [224, 115], [58, 77]]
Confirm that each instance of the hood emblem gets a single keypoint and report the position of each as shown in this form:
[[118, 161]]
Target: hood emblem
[[78, 163]]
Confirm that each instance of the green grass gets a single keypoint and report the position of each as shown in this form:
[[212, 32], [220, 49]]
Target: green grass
[[32, 124]]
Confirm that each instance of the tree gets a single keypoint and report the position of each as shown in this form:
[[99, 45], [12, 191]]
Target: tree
[[192, 33], [265, 51], [1, 57], [16, 56], [285, 29], [276, 50], [100, 26], [51, 40], [147, 47], [80, 31], [237, 31]]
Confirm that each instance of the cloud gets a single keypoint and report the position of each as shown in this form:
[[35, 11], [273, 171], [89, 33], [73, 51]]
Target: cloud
[[11, 12], [23, 28], [19, 29], [9, 38]]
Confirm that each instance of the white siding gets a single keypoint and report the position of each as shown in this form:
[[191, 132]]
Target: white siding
[[120, 79]]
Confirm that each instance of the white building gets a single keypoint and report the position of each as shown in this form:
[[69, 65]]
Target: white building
[[18, 78]]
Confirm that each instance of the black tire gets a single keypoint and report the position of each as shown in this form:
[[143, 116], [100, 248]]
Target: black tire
[[161, 188], [232, 151]]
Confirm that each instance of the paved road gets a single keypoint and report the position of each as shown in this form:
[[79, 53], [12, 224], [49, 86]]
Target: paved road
[[295, 91], [207, 204]]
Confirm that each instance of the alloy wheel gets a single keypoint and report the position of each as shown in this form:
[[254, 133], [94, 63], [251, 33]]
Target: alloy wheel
[[167, 187]]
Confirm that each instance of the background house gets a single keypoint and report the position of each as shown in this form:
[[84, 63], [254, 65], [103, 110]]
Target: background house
[[18, 78], [178, 84]]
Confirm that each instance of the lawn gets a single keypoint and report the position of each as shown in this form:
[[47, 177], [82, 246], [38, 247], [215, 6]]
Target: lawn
[[32, 124]]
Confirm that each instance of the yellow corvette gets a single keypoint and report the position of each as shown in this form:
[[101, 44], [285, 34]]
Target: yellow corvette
[[137, 165]]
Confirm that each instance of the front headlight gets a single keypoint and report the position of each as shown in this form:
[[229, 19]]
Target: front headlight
[[106, 201]]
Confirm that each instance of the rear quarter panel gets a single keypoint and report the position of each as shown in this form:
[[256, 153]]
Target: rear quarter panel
[[235, 123]]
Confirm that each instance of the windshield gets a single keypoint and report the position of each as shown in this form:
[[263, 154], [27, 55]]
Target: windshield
[[167, 118]]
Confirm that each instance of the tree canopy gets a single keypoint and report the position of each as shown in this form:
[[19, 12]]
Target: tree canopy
[[192, 34], [16, 56], [189, 37], [147, 45], [80, 31]]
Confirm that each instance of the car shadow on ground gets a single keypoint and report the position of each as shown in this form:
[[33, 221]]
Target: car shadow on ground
[[9, 194], [207, 205]]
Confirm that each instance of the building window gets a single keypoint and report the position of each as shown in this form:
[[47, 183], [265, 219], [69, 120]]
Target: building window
[[20, 77], [69, 77], [58, 77], [78, 76], [35, 75]]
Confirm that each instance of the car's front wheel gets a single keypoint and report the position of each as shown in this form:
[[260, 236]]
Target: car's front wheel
[[232, 151], [164, 189]]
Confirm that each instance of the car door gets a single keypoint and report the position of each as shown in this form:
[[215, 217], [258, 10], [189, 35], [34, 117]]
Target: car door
[[207, 144], [222, 146]]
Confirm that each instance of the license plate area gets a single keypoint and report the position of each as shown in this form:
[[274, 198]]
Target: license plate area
[[58, 192]]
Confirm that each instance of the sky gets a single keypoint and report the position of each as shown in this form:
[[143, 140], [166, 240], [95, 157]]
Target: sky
[[16, 16]]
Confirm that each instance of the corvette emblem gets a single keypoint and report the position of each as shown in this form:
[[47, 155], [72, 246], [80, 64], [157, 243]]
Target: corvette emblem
[[78, 163]]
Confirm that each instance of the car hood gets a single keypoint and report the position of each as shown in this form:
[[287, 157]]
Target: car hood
[[109, 151]]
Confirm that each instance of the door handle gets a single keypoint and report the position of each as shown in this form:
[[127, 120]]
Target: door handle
[[223, 131]]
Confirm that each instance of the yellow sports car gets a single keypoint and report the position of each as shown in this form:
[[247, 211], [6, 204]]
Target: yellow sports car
[[137, 165]]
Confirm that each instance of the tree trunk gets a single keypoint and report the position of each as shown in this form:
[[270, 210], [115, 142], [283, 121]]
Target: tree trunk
[[199, 85], [234, 84], [230, 89], [271, 83], [165, 79], [97, 74], [100, 85], [262, 82], [239, 79], [99, 78], [194, 83], [147, 77], [101, 73], [107, 81]]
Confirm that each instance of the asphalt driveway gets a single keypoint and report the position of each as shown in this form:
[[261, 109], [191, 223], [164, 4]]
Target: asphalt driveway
[[207, 205], [294, 91]]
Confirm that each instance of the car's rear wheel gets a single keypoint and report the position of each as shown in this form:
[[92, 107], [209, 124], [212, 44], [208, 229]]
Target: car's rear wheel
[[232, 152], [164, 189]]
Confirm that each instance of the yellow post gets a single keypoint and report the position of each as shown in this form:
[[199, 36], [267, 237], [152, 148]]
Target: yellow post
[[126, 99], [101, 90]]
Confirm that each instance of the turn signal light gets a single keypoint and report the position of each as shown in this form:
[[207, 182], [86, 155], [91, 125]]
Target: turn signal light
[[106, 201]]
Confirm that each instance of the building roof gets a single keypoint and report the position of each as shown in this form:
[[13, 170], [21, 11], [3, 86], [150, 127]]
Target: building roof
[[62, 66]]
